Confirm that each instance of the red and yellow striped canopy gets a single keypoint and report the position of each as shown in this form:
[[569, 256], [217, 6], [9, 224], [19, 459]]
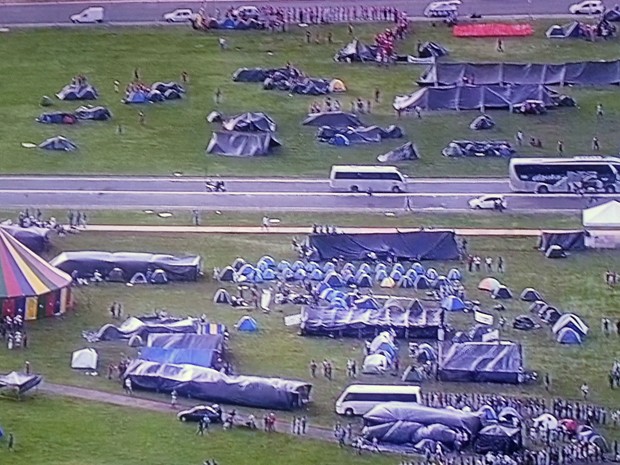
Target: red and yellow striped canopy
[[23, 273]]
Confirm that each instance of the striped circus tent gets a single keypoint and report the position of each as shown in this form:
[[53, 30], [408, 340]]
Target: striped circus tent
[[29, 286]]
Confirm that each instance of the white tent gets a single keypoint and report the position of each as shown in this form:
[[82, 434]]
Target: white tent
[[605, 216], [375, 364], [84, 359]]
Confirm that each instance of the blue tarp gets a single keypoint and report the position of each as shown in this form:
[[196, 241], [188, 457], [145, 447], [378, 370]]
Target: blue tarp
[[213, 386], [202, 358], [482, 362], [453, 304], [247, 324]]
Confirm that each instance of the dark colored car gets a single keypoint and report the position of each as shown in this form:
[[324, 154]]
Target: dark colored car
[[213, 412]]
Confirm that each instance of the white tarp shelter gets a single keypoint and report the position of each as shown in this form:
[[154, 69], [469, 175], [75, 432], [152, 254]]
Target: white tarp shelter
[[605, 216], [84, 359]]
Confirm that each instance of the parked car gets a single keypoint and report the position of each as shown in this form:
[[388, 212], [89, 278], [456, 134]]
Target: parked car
[[92, 14], [213, 412], [247, 12], [179, 15], [442, 9], [587, 7], [487, 202]]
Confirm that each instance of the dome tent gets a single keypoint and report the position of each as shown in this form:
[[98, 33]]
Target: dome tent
[[222, 297], [572, 321], [227, 274], [453, 304], [421, 282], [84, 359], [530, 295], [364, 281], [489, 284], [568, 336], [502, 292], [333, 279], [454, 275], [247, 324]]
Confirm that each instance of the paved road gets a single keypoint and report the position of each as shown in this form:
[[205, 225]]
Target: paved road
[[260, 194], [119, 12]]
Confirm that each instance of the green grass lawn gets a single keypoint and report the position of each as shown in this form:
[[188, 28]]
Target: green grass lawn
[[575, 284], [64, 432], [40, 62], [473, 219]]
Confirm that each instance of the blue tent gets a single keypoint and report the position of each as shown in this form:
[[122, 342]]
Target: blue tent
[[453, 304], [380, 275], [288, 275], [334, 280], [227, 23], [364, 281], [411, 273], [327, 294], [321, 288], [572, 321], [77, 92], [366, 303], [380, 266], [396, 275], [247, 324], [227, 274], [501, 292], [419, 269], [247, 270], [283, 265], [222, 297], [300, 274], [364, 268], [238, 263], [298, 265], [269, 261], [568, 336], [441, 281], [316, 275], [487, 413], [399, 267], [155, 96], [432, 274], [406, 282], [340, 140], [269, 275], [311, 266], [348, 267], [454, 274], [339, 302], [136, 97], [93, 113], [328, 266], [58, 143], [422, 283], [256, 277], [530, 295], [57, 117]]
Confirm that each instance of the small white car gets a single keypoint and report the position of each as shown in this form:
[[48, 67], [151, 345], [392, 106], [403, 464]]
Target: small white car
[[179, 15], [587, 7], [247, 12], [442, 9], [90, 15], [487, 202]]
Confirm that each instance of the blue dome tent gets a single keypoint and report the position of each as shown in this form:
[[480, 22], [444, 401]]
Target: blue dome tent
[[406, 283], [316, 275], [339, 302], [396, 275], [238, 263], [227, 274], [380, 275], [269, 261], [411, 273], [432, 274], [58, 143], [261, 265], [380, 266], [283, 265], [364, 281], [298, 265], [417, 266], [288, 274], [334, 280], [453, 304], [486, 413], [321, 288], [454, 275], [257, 277], [328, 266], [367, 303], [364, 268], [572, 321], [568, 336], [246, 270], [530, 295], [399, 267], [247, 324], [441, 281], [339, 140], [327, 294], [501, 292], [348, 267], [269, 275], [222, 297], [300, 274], [311, 266], [422, 283]]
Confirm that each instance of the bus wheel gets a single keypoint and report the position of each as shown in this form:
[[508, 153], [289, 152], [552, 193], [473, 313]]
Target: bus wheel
[[355, 189], [348, 412], [396, 190], [542, 190]]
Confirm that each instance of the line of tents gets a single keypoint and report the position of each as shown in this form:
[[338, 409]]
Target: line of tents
[[83, 113]]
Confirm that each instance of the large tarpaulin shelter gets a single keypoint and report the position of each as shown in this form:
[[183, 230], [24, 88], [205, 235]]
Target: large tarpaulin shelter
[[35, 238], [85, 263], [242, 144], [337, 119], [474, 97], [201, 358], [20, 382], [185, 341], [250, 122], [568, 240], [485, 362], [211, 385], [143, 327], [29, 286], [605, 216], [415, 245], [585, 73]]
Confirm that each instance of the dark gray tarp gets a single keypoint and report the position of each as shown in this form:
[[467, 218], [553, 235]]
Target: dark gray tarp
[[211, 385], [143, 327], [20, 382], [93, 113], [482, 122], [87, 262], [485, 362], [417, 322], [474, 97], [356, 51], [478, 148], [200, 358], [250, 122], [416, 245], [250, 75], [336, 119], [568, 240], [596, 73], [35, 238], [186, 341], [432, 49], [405, 152], [396, 412], [305, 86], [242, 144], [58, 143], [360, 134], [612, 15], [498, 439]]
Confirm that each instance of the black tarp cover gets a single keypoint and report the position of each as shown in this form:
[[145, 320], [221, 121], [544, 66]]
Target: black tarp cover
[[395, 412], [568, 240], [474, 97], [143, 327], [361, 134], [211, 385], [33, 237], [498, 439], [87, 262], [242, 144], [486, 362], [357, 51], [21, 382], [432, 49], [250, 122], [337, 119], [596, 73], [415, 245], [417, 322], [405, 152]]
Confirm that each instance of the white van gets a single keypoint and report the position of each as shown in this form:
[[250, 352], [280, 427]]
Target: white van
[[366, 178], [359, 399], [92, 14], [179, 15], [442, 9]]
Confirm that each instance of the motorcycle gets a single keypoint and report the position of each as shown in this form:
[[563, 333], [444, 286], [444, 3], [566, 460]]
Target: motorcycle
[[215, 186]]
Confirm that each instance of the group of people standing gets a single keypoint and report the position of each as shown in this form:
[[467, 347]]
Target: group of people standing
[[12, 331]]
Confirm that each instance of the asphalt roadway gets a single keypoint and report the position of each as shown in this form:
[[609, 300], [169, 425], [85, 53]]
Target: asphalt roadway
[[268, 195], [118, 12]]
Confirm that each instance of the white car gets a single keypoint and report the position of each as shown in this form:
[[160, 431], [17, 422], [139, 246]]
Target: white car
[[442, 9], [487, 202], [247, 12], [587, 7], [90, 15], [180, 15]]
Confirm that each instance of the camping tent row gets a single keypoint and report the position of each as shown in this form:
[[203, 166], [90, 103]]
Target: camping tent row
[[356, 51], [381, 354], [546, 312], [29, 286], [475, 97], [81, 113], [158, 92], [340, 136], [406, 318], [587, 73], [584, 433], [570, 329], [363, 276], [497, 289], [77, 92]]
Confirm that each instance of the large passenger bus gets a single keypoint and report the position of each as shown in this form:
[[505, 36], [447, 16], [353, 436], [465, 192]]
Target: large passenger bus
[[564, 175], [365, 178]]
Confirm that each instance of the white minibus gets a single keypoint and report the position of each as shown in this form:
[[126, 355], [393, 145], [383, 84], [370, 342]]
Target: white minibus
[[359, 399], [367, 178]]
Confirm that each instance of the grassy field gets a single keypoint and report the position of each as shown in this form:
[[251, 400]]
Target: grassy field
[[176, 133], [473, 219], [575, 284], [62, 432]]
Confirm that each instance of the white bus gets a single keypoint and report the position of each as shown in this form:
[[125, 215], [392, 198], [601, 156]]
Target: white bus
[[578, 174], [359, 399], [367, 178]]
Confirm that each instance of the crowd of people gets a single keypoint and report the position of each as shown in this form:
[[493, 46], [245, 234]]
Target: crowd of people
[[12, 331], [28, 218]]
